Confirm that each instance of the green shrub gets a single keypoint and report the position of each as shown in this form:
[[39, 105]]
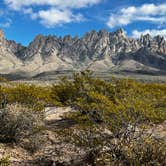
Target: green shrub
[[34, 97], [100, 105], [116, 103]]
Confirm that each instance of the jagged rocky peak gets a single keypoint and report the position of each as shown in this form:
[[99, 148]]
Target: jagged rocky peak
[[95, 50], [69, 40], [117, 37], [159, 38], [120, 33], [38, 43], [103, 32], [2, 36], [43, 45], [90, 36], [154, 44], [76, 38], [38, 40], [41, 40], [10, 44], [15, 48], [145, 39], [33, 48]]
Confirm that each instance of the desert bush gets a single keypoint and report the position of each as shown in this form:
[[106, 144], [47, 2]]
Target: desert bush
[[35, 141], [115, 106], [17, 123], [66, 92], [34, 97], [63, 92], [129, 147], [5, 161], [114, 103], [143, 151]]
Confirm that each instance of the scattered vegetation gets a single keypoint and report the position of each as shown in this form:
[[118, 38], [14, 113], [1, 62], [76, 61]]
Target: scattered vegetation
[[114, 103], [127, 148], [110, 117], [118, 107], [31, 96], [17, 123]]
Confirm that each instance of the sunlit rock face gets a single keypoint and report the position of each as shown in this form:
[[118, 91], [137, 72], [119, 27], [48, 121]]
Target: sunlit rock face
[[97, 51], [9, 62]]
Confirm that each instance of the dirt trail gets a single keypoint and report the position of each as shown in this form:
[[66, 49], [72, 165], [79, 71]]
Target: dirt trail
[[56, 113]]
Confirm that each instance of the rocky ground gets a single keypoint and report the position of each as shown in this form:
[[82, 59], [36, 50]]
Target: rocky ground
[[55, 151]]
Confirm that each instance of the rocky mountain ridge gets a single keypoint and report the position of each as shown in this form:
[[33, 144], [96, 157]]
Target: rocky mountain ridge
[[97, 51]]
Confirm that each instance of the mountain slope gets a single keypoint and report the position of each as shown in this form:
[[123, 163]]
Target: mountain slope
[[98, 51], [8, 59]]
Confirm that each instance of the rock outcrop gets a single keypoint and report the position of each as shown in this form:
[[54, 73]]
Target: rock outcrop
[[97, 51], [8, 57]]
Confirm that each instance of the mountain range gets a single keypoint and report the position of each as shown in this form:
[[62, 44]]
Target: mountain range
[[101, 51]]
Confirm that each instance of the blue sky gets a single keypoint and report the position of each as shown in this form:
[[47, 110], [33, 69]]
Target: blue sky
[[22, 20]]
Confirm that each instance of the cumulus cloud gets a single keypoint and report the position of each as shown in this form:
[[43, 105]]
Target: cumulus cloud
[[147, 12], [152, 32], [17, 4], [30, 12], [58, 12], [53, 17]]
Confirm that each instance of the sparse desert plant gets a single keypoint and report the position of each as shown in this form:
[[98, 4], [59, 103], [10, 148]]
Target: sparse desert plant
[[106, 111], [34, 142], [129, 147], [5, 161], [18, 122], [144, 150]]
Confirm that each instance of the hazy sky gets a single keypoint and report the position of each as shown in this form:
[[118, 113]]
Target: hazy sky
[[22, 20]]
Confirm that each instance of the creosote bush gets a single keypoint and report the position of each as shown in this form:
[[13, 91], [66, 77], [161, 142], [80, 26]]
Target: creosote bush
[[31, 96], [107, 114], [18, 122], [128, 147], [114, 106], [116, 103]]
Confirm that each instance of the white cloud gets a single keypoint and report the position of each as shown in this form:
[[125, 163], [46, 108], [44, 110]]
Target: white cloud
[[29, 11], [17, 4], [152, 32], [58, 12], [147, 12], [53, 17], [5, 24]]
